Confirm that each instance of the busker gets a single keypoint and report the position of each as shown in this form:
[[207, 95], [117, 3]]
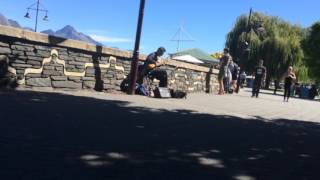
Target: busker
[[150, 68]]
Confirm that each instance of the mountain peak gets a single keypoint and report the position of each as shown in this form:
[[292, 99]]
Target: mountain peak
[[8, 22], [14, 23], [49, 32], [67, 32], [70, 32], [3, 20], [68, 28]]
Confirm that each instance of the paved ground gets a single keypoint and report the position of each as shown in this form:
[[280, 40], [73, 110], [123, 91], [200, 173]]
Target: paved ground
[[85, 135]]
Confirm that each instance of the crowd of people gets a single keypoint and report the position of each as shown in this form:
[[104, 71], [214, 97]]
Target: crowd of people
[[228, 73], [232, 77]]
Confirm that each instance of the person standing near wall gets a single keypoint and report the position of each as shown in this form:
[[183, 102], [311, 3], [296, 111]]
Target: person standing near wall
[[7, 79], [288, 77], [223, 69], [259, 75]]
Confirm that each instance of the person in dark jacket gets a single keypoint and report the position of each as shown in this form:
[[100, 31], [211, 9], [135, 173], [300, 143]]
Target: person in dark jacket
[[260, 73], [276, 86], [288, 77], [313, 92], [150, 68], [234, 68]]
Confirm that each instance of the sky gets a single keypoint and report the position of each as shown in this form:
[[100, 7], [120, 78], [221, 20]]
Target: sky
[[114, 22]]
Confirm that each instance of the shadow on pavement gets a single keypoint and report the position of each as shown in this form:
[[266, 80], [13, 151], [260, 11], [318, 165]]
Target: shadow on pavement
[[280, 94], [54, 136]]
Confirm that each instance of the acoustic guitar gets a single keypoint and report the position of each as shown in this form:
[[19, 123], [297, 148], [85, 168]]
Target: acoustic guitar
[[154, 65]]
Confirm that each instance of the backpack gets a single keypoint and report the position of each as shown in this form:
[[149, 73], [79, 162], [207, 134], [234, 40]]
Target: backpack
[[178, 94], [142, 90], [235, 70]]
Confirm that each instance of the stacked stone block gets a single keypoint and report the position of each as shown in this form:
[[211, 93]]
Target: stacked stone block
[[25, 54]]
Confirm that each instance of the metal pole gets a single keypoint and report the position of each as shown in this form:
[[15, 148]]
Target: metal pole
[[135, 57], [37, 13], [249, 31], [249, 25], [242, 63], [246, 38]]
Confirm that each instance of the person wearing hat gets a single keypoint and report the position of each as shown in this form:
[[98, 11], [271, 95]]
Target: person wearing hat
[[150, 67]]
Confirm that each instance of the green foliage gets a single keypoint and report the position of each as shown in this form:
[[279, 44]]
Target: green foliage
[[311, 46], [279, 45]]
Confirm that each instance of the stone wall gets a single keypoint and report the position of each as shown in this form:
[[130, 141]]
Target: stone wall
[[38, 60]]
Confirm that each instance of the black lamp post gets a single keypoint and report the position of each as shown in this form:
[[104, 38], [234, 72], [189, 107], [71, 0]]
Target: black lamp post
[[36, 7], [135, 57], [246, 45]]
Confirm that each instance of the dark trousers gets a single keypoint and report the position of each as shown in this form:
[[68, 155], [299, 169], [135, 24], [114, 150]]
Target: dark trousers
[[256, 87], [276, 86], [275, 90], [161, 75], [240, 82], [226, 84], [287, 91]]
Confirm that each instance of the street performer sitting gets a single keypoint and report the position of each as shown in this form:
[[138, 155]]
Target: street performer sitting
[[149, 68]]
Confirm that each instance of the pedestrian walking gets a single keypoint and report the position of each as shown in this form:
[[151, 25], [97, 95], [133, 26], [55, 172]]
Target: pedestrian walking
[[243, 77], [234, 74], [276, 86], [259, 75], [288, 77]]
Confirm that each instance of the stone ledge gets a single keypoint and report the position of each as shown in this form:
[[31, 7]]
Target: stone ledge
[[44, 38], [69, 43], [179, 64]]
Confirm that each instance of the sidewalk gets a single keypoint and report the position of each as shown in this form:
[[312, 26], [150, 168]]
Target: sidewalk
[[267, 106], [98, 136]]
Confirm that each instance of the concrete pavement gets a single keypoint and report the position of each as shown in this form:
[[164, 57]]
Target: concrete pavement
[[86, 135], [267, 106]]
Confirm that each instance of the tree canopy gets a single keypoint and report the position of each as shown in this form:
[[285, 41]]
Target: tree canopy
[[279, 44], [311, 46]]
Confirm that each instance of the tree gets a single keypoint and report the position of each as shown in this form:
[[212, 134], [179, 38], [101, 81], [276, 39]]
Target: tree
[[311, 46], [279, 45], [217, 55]]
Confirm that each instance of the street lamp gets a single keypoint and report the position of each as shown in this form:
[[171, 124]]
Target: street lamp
[[246, 45], [261, 29], [36, 7]]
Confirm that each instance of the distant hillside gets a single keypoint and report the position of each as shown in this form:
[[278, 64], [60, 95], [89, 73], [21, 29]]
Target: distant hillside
[[70, 32], [8, 22], [67, 32]]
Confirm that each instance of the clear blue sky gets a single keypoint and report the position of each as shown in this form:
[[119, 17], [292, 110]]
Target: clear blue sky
[[114, 21]]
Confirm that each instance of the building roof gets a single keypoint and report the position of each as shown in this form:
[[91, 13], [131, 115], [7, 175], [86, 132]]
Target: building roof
[[199, 54], [187, 58]]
